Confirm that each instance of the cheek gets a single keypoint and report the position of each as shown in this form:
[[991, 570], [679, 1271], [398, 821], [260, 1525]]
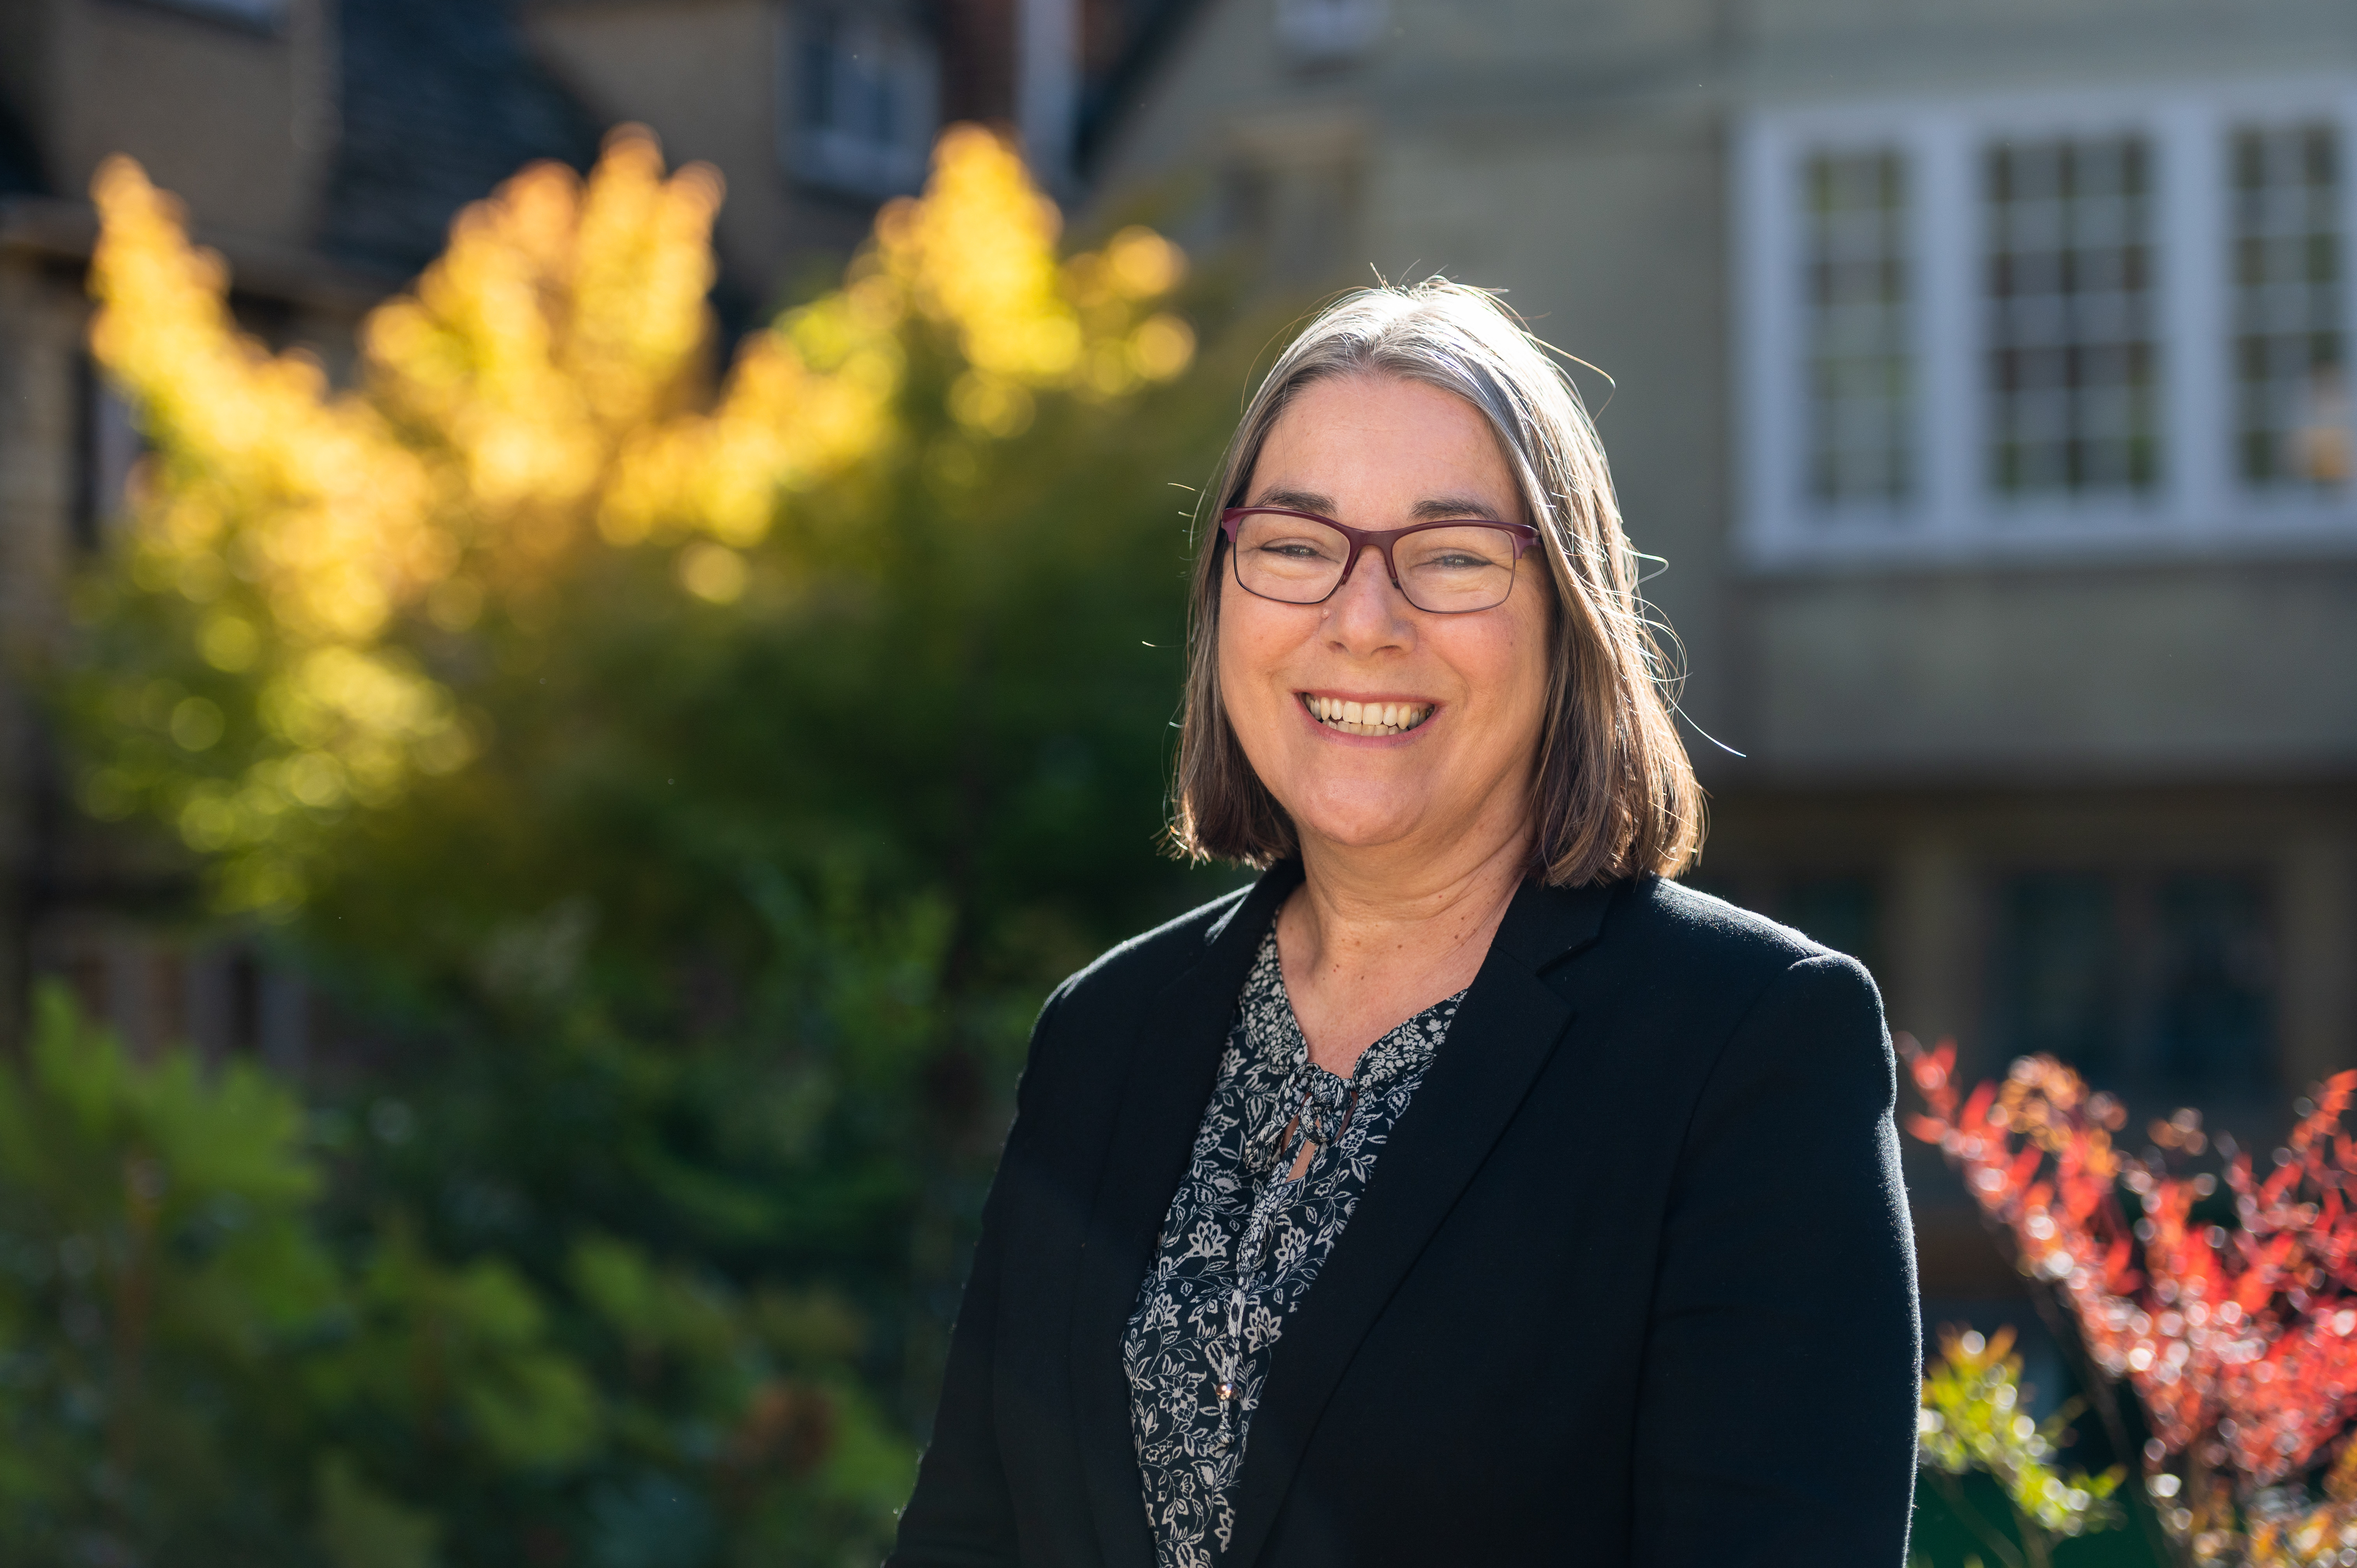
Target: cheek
[[1516, 666], [1228, 651], [1240, 687], [1248, 647], [1508, 655]]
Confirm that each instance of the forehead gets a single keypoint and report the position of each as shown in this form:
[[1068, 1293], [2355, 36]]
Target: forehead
[[1385, 442]]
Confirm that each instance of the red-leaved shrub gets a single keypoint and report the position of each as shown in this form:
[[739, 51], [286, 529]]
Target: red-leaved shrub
[[2237, 1332]]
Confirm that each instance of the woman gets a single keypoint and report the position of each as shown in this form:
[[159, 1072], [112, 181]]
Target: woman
[[1463, 1191]]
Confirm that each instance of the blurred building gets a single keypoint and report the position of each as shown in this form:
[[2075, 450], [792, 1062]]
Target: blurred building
[[323, 146], [1982, 373], [1979, 371]]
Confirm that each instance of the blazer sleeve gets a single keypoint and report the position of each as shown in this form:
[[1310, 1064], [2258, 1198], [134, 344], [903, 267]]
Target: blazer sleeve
[[962, 1515], [1777, 1414]]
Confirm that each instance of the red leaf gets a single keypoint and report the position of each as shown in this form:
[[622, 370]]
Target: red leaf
[[1930, 1129]]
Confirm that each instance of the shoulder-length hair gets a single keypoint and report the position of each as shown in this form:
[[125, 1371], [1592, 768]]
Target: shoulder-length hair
[[1613, 794]]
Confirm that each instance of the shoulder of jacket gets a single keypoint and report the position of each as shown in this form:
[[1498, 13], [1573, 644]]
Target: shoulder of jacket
[[1769, 977], [1133, 970], [1702, 934]]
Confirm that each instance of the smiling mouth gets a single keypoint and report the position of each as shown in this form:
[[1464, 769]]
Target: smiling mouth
[[1366, 718]]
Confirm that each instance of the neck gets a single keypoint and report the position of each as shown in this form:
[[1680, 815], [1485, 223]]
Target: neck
[[1364, 909]]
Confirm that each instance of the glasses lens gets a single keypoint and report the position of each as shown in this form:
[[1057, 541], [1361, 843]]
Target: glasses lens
[[1451, 570], [1290, 558]]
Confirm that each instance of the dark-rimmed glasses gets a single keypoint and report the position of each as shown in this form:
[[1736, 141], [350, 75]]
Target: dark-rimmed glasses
[[1453, 566]]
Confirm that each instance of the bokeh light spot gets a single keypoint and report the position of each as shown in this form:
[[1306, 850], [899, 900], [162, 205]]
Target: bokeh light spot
[[713, 573]]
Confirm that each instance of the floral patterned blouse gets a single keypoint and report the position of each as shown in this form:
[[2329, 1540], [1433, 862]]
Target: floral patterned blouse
[[1244, 1243]]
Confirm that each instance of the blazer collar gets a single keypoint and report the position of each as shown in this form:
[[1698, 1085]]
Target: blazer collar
[[1546, 926], [1504, 1034]]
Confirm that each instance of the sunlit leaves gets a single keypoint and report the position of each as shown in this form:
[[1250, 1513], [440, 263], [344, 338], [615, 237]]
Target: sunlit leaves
[[1973, 1419], [262, 477], [545, 390]]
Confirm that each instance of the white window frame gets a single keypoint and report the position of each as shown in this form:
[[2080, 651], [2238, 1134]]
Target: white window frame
[[2200, 507]]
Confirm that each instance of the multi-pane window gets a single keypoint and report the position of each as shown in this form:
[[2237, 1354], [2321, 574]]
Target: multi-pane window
[[2158, 982], [2073, 389], [865, 83], [2212, 1016], [2291, 396], [2094, 321], [1860, 394], [2058, 972]]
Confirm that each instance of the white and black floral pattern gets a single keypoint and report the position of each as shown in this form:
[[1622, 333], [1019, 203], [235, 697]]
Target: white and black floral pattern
[[1201, 1323]]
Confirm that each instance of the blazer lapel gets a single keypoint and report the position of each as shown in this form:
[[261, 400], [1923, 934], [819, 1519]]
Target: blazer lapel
[[1504, 1034], [1173, 1062]]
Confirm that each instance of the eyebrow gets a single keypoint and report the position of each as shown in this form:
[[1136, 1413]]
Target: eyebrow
[[1423, 511], [1454, 506]]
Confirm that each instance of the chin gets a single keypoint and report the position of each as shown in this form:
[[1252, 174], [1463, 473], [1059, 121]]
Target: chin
[[1358, 824]]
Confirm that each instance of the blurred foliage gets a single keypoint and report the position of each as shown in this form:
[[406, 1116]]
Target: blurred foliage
[[684, 786], [1973, 1419], [196, 1371], [2240, 1343]]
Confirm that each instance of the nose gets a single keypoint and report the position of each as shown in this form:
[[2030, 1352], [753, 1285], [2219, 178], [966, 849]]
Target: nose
[[1368, 611]]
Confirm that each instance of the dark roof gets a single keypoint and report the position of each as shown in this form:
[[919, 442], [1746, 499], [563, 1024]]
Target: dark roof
[[442, 101]]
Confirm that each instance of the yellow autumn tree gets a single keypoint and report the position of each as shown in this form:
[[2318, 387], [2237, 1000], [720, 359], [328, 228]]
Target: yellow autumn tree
[[689, 764], [543, 393]]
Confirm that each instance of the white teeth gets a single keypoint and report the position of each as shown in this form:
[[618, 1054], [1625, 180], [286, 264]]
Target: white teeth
[[1368, 718]]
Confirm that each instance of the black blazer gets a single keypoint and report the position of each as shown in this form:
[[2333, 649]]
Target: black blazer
[[1632, 1281]]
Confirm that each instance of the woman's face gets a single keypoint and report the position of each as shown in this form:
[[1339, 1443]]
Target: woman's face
[[1376, 452]]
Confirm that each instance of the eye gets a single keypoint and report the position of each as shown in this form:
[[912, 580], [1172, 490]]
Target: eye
[[1288, 541], [1455, 552]]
